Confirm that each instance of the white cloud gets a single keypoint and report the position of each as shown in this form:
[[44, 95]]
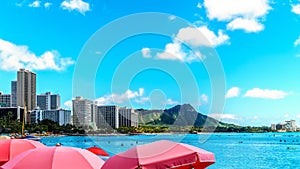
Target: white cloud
[[197, 37], [249, 25], [172, 51], [298, 116], [142, 100], [223, 116], [136, 96], [297, 41], [146, 53], [233, 92], [171, 102], [172, 17], [296, 9], [204, 98], [120, 98], [98, 52], [35, 4], [255, 117], [68, 104], [266, 93], [199, 5], [202, 36], [77, 5], [286, 115], [14, 57], [230, 10], [47, 5]]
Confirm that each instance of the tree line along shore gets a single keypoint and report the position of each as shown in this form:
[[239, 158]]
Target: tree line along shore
[[8, 125]]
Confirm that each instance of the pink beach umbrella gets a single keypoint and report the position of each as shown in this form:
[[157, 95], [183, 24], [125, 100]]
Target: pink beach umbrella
[[161, 155], [55, 158], [13, 147]]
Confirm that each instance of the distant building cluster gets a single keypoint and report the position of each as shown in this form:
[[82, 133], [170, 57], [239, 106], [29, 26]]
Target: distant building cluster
[[287, 126], [39, 107], [86, 113]]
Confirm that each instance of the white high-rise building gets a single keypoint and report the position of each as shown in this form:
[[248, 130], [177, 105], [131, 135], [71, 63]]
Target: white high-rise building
[[83, 113], [26, 89], [291, 125]]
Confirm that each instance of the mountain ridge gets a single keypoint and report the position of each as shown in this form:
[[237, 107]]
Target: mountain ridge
[[179, 115]]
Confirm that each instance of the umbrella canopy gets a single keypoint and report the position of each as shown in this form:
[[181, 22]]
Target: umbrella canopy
[[160, 155], [12, 147], [55, 158], [98, 151]]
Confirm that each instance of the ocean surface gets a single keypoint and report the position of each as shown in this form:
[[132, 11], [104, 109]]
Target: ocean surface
[[232, 150]]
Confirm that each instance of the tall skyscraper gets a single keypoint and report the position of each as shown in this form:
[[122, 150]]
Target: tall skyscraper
[[13, 93], [83, 113], [48, 101], [26, 89]]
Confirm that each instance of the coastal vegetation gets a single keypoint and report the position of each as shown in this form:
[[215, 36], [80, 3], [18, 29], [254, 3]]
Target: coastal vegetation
[[179, 119], [9, 125]]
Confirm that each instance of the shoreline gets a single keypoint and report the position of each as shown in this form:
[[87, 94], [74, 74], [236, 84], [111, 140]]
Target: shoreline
[[169, 133]]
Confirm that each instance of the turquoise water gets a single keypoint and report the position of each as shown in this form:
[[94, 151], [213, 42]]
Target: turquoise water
[[232, 150]]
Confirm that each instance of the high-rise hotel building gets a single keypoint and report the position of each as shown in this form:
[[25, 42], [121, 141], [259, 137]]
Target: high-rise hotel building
[[26, 89], [48, 101], [115, 117], [107, 117], [83, 113], [89, 115]]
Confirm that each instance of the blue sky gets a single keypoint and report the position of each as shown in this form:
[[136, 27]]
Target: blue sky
[[257, 42]]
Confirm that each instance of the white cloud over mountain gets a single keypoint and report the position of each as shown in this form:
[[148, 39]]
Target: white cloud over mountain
[[135, 96]]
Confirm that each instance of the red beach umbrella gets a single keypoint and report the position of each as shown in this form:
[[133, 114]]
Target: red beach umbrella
[[161, 154], [98, 151], [12, 147], [55, 158]]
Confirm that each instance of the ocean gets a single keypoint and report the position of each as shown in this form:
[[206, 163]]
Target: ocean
[[232, 150]]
